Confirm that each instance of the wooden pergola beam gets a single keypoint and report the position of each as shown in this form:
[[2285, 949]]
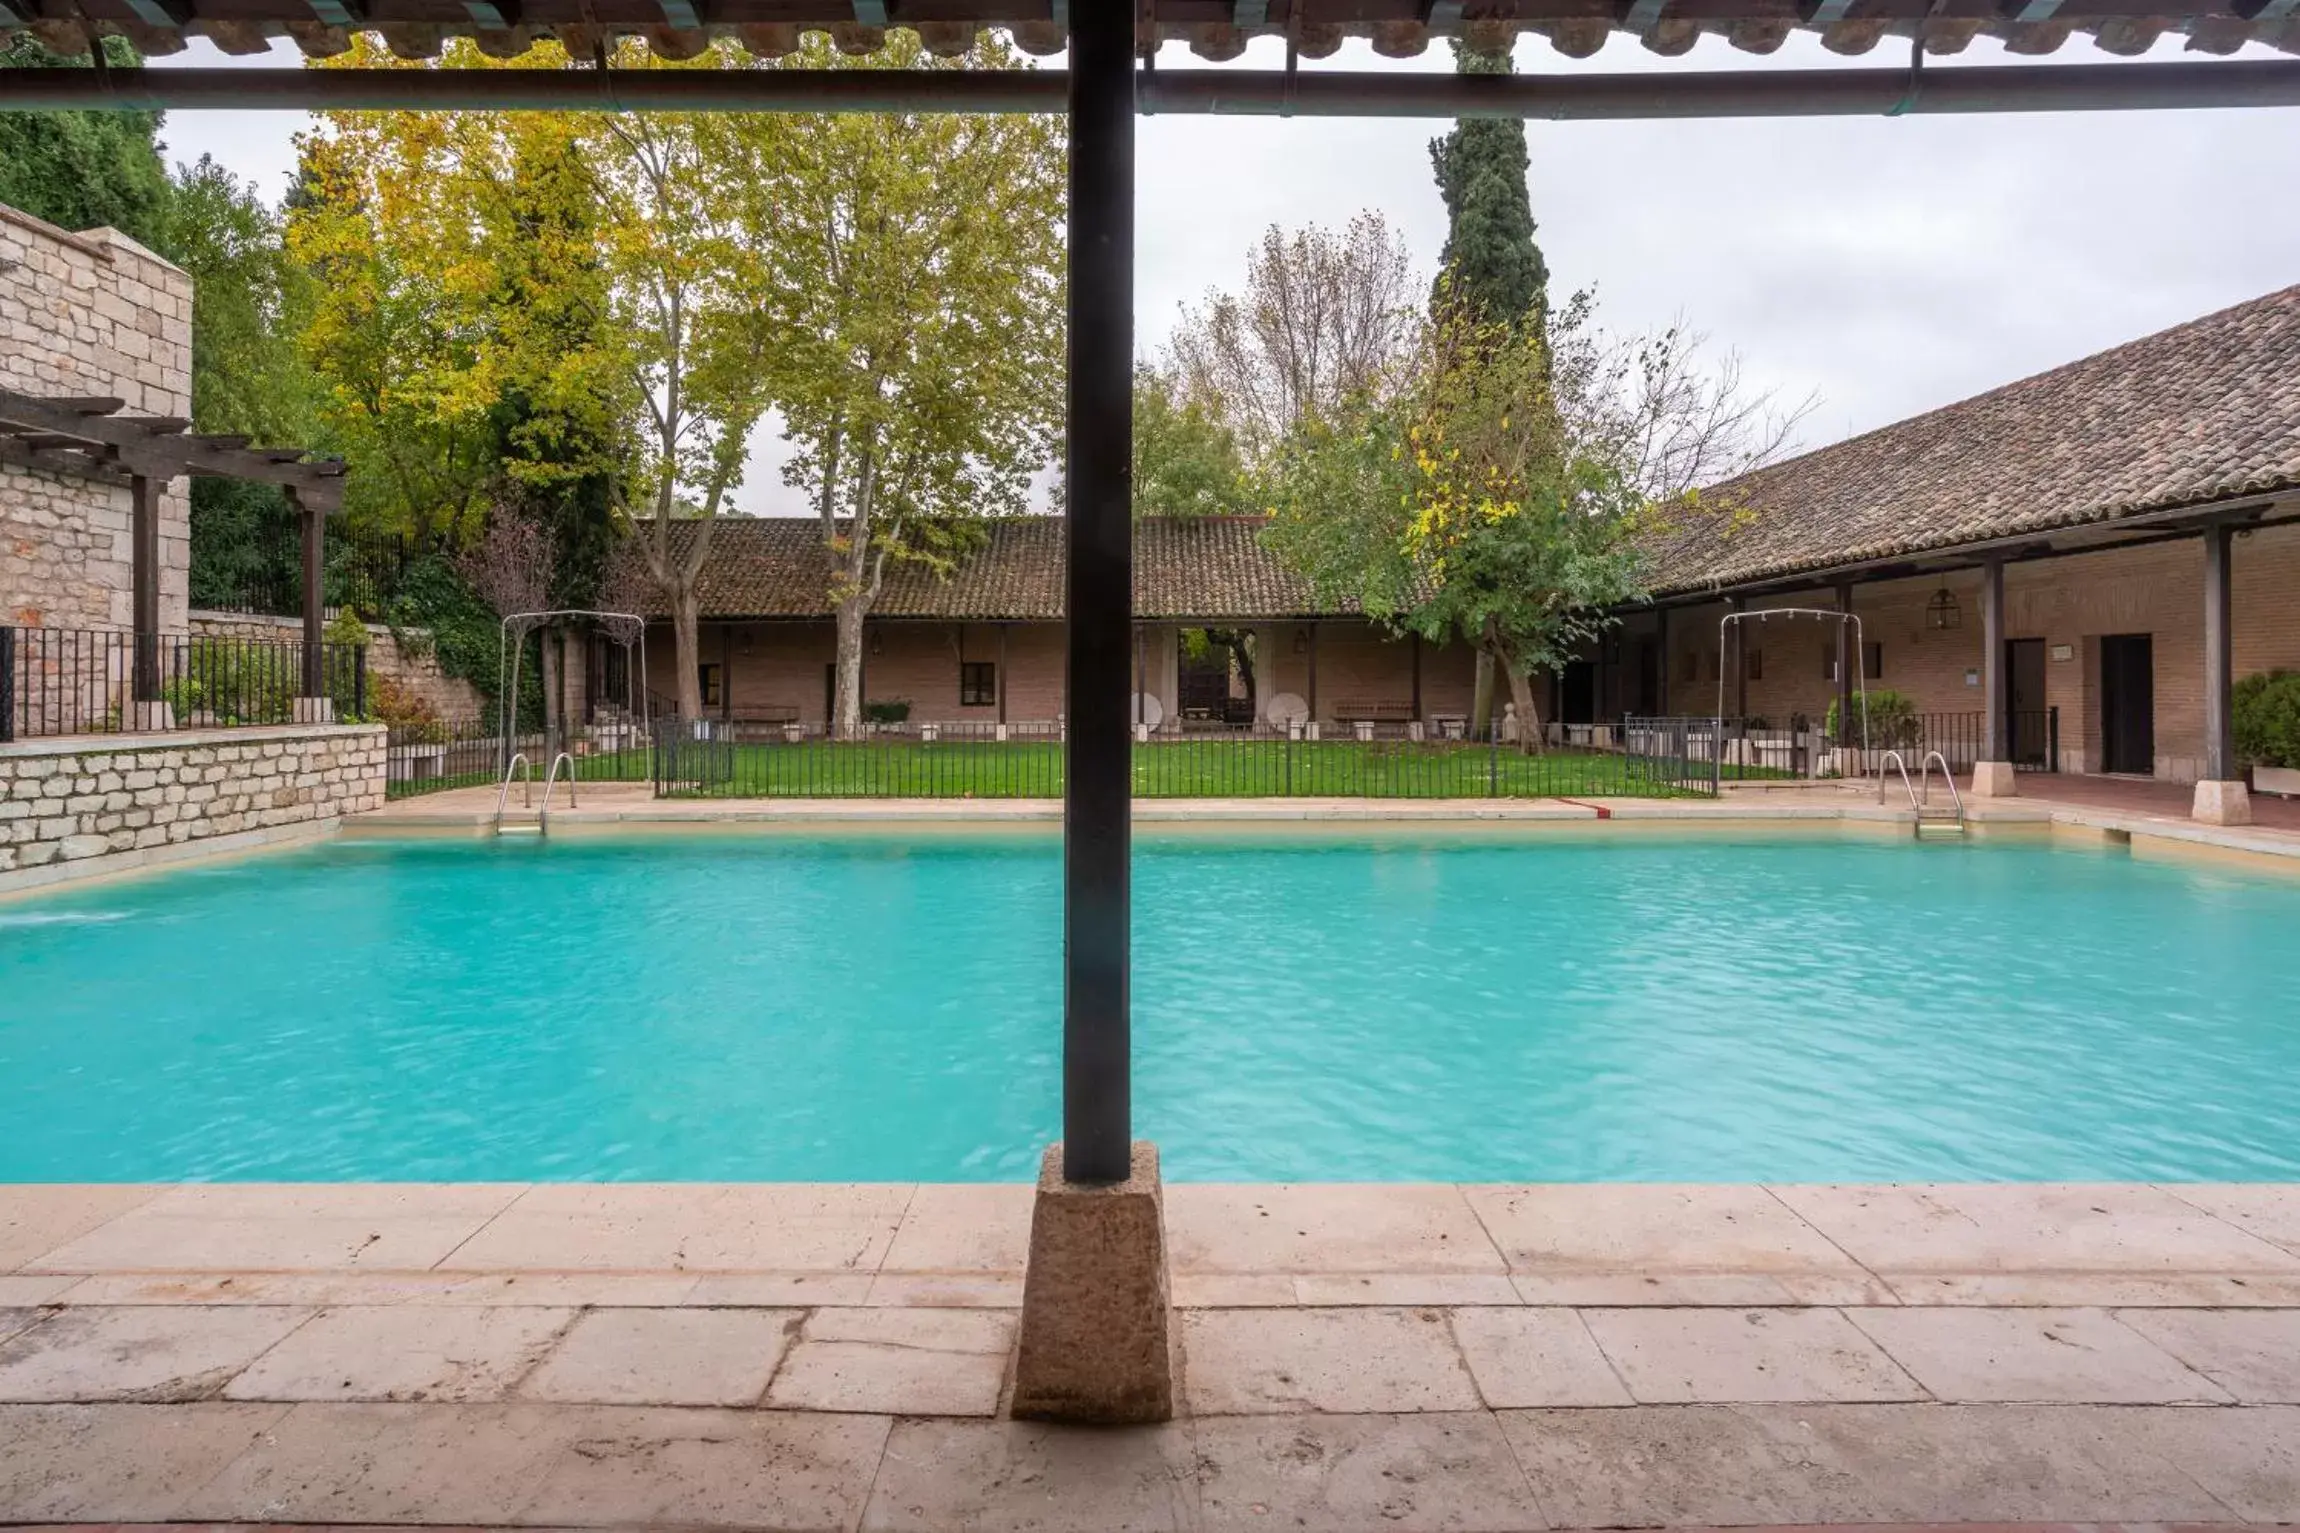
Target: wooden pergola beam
[[159, 447]]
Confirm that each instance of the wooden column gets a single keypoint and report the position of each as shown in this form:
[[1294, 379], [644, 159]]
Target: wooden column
[[144, 581], [2219, 655], [1661, 663], [1002, 628], [314, 597], [727, 672], [1848, 656], [1993, 688], [1313, 698], [1740, 649]]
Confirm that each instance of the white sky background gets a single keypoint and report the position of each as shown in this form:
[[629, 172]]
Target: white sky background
[[1889, 266]]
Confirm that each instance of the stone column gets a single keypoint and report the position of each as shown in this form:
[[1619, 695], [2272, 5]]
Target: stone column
[[2221, 796], [1993, 772]]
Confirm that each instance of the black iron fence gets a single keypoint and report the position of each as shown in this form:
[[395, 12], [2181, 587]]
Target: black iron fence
[[1698, 754], [72, 681], [434, 756], [2032, 737], [711, 759], [262, 574]]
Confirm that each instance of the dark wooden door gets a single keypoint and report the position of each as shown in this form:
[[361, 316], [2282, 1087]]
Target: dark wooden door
[[1578, 701], [2025, 721], [2128, 704], [1648, 677]]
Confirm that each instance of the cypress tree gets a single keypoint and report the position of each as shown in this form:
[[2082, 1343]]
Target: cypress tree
[[1491, 262]]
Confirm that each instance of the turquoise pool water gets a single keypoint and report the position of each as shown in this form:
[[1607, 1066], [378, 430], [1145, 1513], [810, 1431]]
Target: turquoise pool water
[[860, 1008]]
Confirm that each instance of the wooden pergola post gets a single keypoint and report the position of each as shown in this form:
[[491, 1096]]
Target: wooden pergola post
[[144, 584]]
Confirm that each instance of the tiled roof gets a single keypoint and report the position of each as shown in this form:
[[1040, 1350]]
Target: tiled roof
[[1212, 568], [1214, 29], [2199, 413]]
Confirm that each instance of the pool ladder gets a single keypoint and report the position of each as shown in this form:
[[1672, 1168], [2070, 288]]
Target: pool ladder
[[1948, 821], [519, 764]]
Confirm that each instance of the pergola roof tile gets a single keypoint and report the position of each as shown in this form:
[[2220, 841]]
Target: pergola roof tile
[[2204, 412], [1215, 29]]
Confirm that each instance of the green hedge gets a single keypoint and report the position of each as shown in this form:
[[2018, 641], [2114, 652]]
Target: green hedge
[[2266, 719]]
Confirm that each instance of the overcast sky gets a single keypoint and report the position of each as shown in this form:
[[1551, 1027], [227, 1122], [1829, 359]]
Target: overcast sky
[[1888, 266]]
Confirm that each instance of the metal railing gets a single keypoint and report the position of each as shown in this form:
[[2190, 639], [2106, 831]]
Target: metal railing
[[75, 681], [927, 760], [2032, 738], [262, 575], [432, 757]]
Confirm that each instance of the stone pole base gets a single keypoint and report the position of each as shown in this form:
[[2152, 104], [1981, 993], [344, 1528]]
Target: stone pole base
[[1097, 1326], [151, 717], [1994, 779], [2222, 803], [315, 710]]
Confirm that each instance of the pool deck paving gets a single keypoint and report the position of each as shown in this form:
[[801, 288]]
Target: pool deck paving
[[1392, 1356], [2153, 815]]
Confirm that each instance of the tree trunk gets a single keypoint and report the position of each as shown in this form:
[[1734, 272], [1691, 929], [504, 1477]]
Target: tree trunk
[[1481, 698], [553, 724], [847, 724], [687, 652], [1528, 717]]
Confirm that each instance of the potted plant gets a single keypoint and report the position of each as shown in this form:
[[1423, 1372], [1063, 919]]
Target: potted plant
[[2264, 716]]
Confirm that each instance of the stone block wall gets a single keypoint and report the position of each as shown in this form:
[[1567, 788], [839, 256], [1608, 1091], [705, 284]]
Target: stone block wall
[[92, 314], [107, 802], [413, 664]]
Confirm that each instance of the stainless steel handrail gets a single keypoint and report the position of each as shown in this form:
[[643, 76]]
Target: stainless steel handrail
[[527, 793], [1918, 804], [1925, 775], [551, 780]]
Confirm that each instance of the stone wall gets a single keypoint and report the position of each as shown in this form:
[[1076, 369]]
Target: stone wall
[[92, 314], [413, 664], [89, 805]]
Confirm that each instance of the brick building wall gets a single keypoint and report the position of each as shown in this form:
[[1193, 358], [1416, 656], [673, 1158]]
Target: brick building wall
[[775, 667], [105, 802], [2069, 603], [92, 314]]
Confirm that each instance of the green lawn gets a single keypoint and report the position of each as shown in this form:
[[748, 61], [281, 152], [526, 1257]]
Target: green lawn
[[1213, 768]]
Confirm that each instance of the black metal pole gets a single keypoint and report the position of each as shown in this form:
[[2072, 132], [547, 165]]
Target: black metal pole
[[2219, 656], [1851, 732], [1098, 600]]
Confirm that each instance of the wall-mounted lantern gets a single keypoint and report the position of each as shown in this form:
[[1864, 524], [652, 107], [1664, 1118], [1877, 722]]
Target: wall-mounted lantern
[[1942, 611]]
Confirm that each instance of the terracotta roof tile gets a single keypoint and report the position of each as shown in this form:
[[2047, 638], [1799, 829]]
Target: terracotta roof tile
[[1213, 568], [2203, 412]]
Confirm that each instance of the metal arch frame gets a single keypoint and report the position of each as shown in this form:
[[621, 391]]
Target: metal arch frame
[[1860, 671], [509, 656]]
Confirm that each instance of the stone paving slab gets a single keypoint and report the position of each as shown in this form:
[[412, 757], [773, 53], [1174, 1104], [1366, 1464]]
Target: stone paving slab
[[533, 1465]]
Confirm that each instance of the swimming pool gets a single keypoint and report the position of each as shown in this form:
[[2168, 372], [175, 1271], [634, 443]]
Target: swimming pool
[[1417, 1006]]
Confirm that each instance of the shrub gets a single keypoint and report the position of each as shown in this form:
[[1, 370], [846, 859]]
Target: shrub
[[347, 630], [413, 720], [891, 710], [2265, 718], [226, 681], [1892, 720]]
